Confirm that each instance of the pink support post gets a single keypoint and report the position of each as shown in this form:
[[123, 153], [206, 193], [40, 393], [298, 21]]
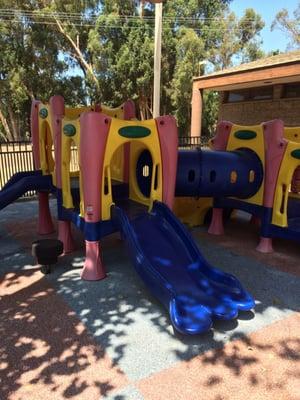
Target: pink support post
[[168, 138], [216, 225], [98, 108], [57, 104], [94, 134], [93, 269], [219, 143], [220, 140], [275, 146], [45, 224], [129, 110], [265, 245], [65, 236], [255, 220]]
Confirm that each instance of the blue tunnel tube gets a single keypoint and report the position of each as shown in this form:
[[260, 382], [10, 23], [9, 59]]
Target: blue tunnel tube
[[206, 173]]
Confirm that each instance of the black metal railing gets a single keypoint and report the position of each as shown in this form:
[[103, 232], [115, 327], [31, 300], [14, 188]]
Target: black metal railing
[[190, 142], [15, 157]]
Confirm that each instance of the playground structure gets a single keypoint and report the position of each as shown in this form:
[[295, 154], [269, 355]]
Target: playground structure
[[85, 198], [42, 123], [276, 203], [126, 179]]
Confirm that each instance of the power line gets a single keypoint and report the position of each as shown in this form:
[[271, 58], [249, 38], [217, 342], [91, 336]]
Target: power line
[[76, 19], [131, 27], [92, 16], [39, 17]]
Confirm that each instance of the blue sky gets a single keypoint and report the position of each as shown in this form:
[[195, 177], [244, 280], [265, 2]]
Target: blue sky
[[267, 9]]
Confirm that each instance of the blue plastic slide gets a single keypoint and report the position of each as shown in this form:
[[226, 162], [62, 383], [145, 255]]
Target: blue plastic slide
[[21, 183], [172, 267]]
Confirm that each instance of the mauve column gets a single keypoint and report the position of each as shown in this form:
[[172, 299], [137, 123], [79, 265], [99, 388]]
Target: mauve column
[[219, 143], [216, 226], [168, 140], [94, 133], [45, 224], [275, 146], [57, 104]]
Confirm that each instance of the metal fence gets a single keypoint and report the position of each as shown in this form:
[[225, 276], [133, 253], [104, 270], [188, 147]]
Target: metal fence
[[191, 142], [15, 157], [18, 157]]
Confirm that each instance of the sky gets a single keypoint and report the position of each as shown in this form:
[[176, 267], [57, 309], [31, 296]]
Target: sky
[[268, 10]]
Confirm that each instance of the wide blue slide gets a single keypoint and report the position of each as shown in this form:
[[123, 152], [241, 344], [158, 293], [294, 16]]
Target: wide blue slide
[[172, 267], [21, 183]]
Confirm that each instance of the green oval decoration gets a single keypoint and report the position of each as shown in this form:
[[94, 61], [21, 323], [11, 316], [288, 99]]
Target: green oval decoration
[[43, 113], [134, 132], [69, 130], [245, 135], [296, 154]]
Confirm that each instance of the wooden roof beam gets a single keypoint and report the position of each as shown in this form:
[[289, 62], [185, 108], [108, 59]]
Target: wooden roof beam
[[249, 78]]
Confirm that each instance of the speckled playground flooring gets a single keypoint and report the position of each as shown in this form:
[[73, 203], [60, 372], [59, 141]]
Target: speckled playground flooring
[[64, 338]]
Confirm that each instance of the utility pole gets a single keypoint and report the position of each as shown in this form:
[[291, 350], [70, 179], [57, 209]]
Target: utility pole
[[157, 58]]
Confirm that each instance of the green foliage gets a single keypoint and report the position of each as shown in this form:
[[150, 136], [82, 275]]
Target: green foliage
[[111, 55], [237, 39], [289, 25], [210, 113], [189, 50], [31, 67]]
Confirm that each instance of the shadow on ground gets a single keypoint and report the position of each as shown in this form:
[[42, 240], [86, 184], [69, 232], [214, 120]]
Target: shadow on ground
[[66, 338]]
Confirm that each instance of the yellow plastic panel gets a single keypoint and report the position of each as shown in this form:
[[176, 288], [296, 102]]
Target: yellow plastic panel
[[117, 112], [116, 139], [191, 210], [290, 162], [136, 148], [117, 164], [252, 138], [292, 134], [68, 139], [45, 139], [74, 113]]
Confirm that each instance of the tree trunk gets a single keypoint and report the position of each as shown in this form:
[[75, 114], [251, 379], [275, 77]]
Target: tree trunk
[[142, 110], [142, 9], [13, 123], [8, 133], [78, 55], [148, 109]]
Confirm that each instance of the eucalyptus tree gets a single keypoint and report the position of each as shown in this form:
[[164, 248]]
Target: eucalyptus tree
[[289, 24], [108, 45]]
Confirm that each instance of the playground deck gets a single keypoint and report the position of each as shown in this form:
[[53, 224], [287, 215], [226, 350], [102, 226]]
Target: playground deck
[[64, 338]]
